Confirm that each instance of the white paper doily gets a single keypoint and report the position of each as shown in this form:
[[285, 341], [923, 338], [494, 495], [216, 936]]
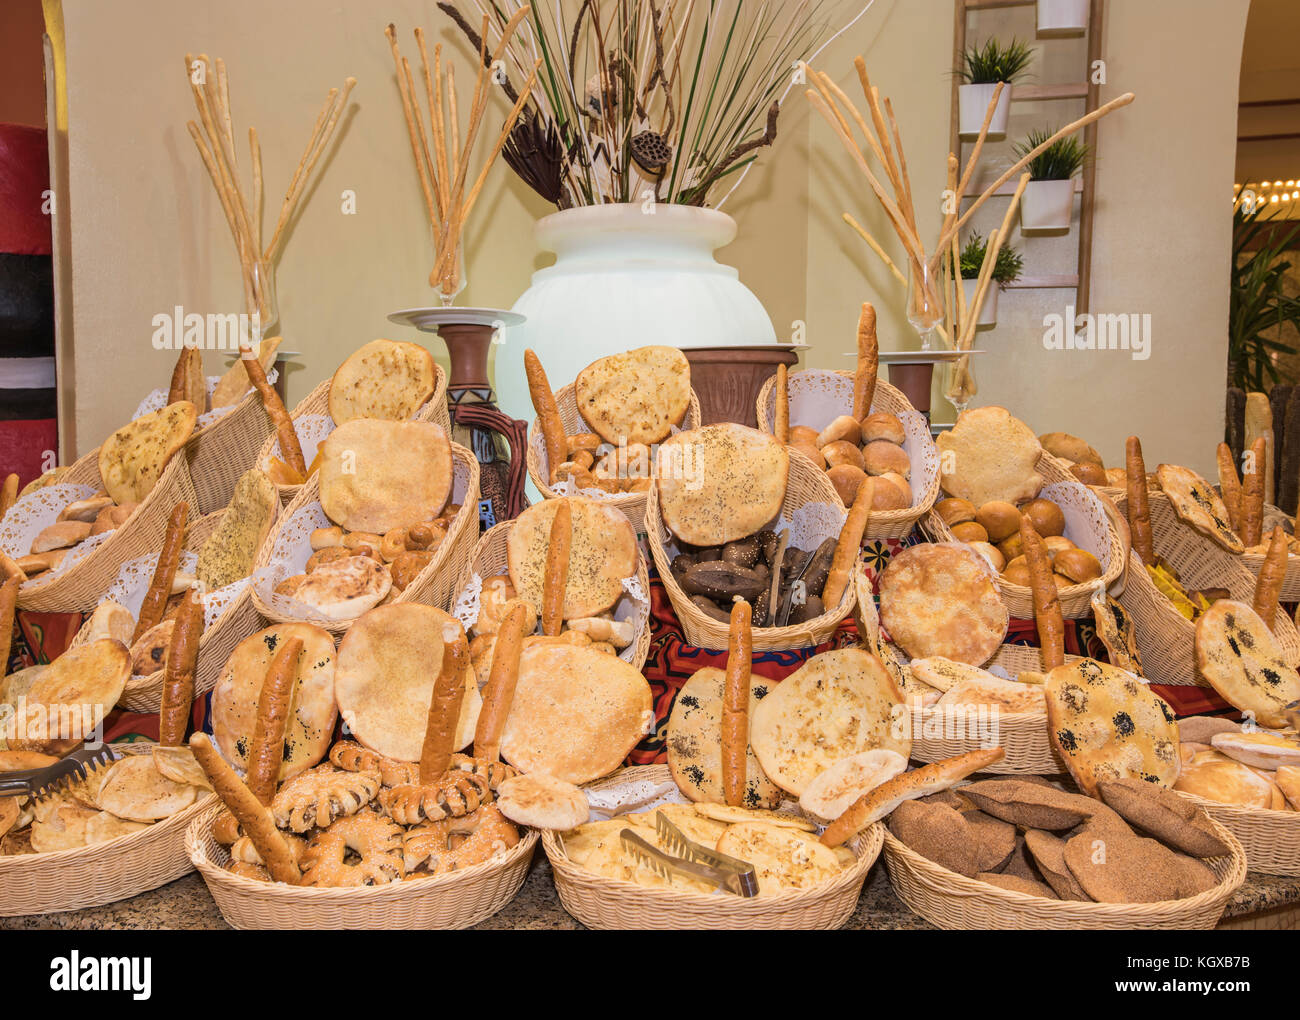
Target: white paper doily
[[312, 429], [35, 512]]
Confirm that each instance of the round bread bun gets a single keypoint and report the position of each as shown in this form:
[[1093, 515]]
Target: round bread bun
[[1116, 478], [881, 455], [1045, 516], [1015, 564], [543, 802], [883, 425], [842, 452], [970, 531], [810, 451], [845, 428], [1057, 543], [1070, 448], [1000, 519], [892, 492], [1017, 573], [846, 478], [1060, 580], [1011, 546], [991, 553], [309, 728], [1089, 474], [954, 511], [803, 434]]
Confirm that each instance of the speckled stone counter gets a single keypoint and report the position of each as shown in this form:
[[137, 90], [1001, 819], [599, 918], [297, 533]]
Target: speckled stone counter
[[185, 903]]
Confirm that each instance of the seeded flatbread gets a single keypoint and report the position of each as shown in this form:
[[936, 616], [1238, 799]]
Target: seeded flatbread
[[720, 483], [836, 705], [132, 458], [388, 379], [784, 859], [1198, 505], [635, 397], [989, 455], [695, 741], [379, 475], [1115, 630], [227, 556], [70, 698], [1238, 656], [1107, 724]]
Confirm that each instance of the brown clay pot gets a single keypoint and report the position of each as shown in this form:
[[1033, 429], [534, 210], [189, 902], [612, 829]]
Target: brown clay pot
[[727, 379]]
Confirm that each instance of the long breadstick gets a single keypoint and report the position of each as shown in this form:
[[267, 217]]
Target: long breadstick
[[254, 816], [266, 751], [1139, 507], [1230, 486], [444, 705], [849, 545], [1047, 607], [290, 447], [735, 704], [8, 494], [781, 428], [160, 587], [178, 678], [548, 411], [1252, 496], [864, 376], [1268, 587], [8, 611], [499, 693], [556, 579]]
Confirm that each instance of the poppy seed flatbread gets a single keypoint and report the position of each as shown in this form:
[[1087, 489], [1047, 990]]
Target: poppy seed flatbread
[[695, 741], [1107, 724], [989, 455], [228, 554], [1238, 656], [389, 379], [379, 475], [132, 459], [635, 397], [1198, 505], [720, 483]]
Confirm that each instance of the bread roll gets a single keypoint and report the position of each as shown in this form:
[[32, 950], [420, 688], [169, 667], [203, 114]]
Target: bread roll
[[1079, 565], [845, 427], [803, 434], [1000, 519], [883, 425], [1017, 573], [1056, 544], [846, 478], [892, 492], [953, 510], [810, 451], [991, 553], [970, 531], [1045, 516], [843, 452], [880, 456], [1011, 546], [1089, 474], [1070, 448]]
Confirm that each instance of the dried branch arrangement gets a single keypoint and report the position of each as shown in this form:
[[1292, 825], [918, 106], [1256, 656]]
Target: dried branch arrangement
[[442, 156], [214, 137]]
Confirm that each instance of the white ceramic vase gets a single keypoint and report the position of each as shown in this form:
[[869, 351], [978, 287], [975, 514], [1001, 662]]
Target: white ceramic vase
[[1062, 17], [624, 277], [973, 102], [989, 313], [1047, 205]]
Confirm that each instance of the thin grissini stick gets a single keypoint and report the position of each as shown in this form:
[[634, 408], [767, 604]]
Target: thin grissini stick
[[290, 447], [991, 252], [556, 579], [959, 187], [874, 245], [444, 705], [782, 425], [849, 545], [178, 676], [254, 816], [1047, 606], [8, 610], [548, 412], [503, 676], [908, 204], [266, 750], [1268, 587], [868, 364], [1139, 507], [971, 321], [8, 494], [160, 587], [1230, 486], [1252, 495], [735, 704]]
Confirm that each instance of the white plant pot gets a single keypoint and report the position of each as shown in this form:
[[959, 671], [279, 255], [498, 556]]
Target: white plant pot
[[1047, 205], [989, 313], [626, 278], [1062, 17], [973, 103]]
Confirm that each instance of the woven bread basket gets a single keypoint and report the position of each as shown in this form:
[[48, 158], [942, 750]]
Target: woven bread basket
[[219, 454], [456, 899], [91, 876], [489, 559], [1086, 524], [818, 396], [954, 902], [1254, 562], [79, 586], [539, 468], [1165, 637], [433, 586], [610, 903], [1270, 838], [807, 487]]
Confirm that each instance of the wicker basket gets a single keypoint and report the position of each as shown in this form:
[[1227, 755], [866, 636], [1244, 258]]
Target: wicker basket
[[952, 901], [220, 453], [489, 559], [818, 396], [1270, 838], [807, 485], [609, 903], [79, 587], [93, 875], [1254, 562], [539, 468], [1086, 524], [1165, 638], [455, 900], [433, 586]]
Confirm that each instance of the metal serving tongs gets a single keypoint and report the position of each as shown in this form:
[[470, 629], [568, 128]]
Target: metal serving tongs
[[693, 861], [38, 783]]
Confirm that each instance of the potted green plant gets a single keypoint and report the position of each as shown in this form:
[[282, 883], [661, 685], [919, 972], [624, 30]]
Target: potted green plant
[[1006, 270], [982, 68], [1049, 197], [1057, 18], [1259, 309]]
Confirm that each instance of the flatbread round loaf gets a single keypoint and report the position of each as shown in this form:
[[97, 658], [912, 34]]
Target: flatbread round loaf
[[379, 475], [834, 791], [543, 802], [635, 397], [989, 455], [135, 790], [1226, 782], [576, 713], [603, 554], [388, 379], [1198, 505], [941, 600], [70, 698], [836, 705], [1239, 657], [720, 483], [312, 714], [132, 458], [695, 741], [388, 662], [344, 589]]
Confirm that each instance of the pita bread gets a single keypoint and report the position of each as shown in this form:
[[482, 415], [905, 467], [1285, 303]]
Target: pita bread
[[543, 802], [138, 792], [227, 556], [379, 475], [1239, 657], [132, 459], [312, 713], [63, 828], [720, 483], [345, 589], [109, 620], [834, 791], [1260, 750], [941, 599], [785, 859], [576, 713], [1198, 505], [149, 653], [836, 705], [389, 379], [1287, 778], [232, 387], [1006, 695], [21, 761], [388, 661], [103, 826], [703, 830], [180, 766], [69, 700], [603, 555], [635, 397], [989, 455], [695, 741]]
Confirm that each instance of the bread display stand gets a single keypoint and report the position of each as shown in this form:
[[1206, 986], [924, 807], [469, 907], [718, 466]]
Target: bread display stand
[[609, 903]]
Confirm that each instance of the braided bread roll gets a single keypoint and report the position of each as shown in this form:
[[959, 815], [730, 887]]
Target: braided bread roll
[[160, 586], [556, 578], [503, 676], [178, 677], [1139, 507], [1268, 587], [735, 704], [266, 752], [444, 705], [1047, 607]]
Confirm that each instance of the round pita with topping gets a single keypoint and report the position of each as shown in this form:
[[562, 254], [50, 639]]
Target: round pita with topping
[[635, 397], [1198, 505], [132, 458], [388, 379], [1239, 657], [379, 475]]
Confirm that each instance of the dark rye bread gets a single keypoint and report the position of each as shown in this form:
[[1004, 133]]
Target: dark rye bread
[[1028, 804], [1048, 853], [1016, 883], [1170, 818]]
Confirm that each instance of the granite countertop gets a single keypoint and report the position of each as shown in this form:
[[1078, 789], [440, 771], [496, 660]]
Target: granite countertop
[[185, 903]]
